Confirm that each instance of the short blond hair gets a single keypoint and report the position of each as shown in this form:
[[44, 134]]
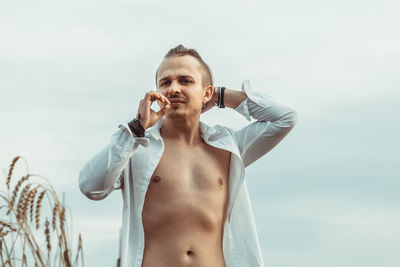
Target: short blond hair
[[180, 50]]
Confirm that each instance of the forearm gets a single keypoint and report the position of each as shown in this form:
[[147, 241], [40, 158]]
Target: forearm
[[98, 176], [263, 107], [274, 120], [95, 177], [233, 98]]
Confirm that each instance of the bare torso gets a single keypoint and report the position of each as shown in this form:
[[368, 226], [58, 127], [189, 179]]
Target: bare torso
[[186, 206]]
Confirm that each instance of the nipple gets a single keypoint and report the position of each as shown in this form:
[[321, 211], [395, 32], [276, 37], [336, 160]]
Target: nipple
[[156, 179], [220, 181]]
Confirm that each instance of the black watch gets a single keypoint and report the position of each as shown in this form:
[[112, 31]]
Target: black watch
[[220, 102]]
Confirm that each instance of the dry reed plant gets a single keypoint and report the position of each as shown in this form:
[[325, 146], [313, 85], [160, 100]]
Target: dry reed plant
[[35, 239]]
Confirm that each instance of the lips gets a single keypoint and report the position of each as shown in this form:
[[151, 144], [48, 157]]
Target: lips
[[176, 101]]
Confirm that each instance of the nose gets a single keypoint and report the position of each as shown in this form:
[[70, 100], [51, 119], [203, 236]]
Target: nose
[[173, 89]]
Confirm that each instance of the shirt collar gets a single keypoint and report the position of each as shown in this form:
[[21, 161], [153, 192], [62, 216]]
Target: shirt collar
[[205, 129]]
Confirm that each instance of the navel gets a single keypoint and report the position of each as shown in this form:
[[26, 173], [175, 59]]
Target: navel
[[189, 252], [156, 179], [220, 181]]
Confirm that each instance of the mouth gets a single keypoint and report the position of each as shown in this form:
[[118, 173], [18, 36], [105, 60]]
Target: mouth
[[176, 101]]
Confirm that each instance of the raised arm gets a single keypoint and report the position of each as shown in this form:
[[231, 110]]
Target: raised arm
[[103, 173], [274, 121]]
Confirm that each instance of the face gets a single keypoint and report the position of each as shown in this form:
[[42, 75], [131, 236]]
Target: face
[[180, 78]]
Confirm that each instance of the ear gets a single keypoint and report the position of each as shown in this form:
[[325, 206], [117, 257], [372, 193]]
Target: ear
[[208, 93]]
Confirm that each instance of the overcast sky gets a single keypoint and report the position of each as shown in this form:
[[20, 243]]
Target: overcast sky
[[327, 195]]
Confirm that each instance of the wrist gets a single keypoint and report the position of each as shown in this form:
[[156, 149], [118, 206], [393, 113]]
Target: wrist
[[136, 128], [215, 96], [220, 92]]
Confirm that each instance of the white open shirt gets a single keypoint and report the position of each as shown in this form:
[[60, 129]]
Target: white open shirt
[[127, 163]]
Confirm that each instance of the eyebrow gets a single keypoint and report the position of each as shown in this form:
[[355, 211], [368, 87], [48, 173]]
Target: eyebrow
[[179, 76]]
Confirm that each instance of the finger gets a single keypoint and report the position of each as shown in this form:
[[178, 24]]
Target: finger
[[166, 100], [152, 94], [164, 110], [163, 98]]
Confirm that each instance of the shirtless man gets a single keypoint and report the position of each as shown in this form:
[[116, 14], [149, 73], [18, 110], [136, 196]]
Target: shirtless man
[[185, 198], [186, 202]]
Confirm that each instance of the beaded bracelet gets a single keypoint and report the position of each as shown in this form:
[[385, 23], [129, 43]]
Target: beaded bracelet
[[136, 127]]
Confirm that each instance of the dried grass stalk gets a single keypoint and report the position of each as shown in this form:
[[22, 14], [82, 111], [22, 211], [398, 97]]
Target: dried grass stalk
[[32, 202], [15, 192], [10, 171], [16, 222]]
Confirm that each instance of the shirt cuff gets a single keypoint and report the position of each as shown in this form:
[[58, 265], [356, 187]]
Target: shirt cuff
[[144, 141], [243, 107]]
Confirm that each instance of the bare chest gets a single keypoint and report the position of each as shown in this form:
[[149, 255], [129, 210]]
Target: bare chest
[[196, 171], [186, 206], [193, 182]]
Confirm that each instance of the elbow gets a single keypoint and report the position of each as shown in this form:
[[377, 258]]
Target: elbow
[[85, 188], [289, 120], [91, 187], [96, 195], [92, 195], [82, 183], [294, 118]]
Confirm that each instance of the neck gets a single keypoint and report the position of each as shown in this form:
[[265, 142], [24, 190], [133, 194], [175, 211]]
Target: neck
[[185, 132]]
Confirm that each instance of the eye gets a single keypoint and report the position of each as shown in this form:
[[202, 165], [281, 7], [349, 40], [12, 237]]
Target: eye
[[163, 83], [185, 81]]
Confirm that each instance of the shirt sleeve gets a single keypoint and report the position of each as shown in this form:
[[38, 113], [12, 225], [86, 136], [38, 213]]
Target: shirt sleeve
[[103, 173], [274, 121]]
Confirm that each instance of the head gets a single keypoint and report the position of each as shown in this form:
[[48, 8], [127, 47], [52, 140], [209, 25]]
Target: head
[[184, 75], [180, 50]]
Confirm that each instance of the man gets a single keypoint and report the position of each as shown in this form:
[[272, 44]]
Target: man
[[185, 198]]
